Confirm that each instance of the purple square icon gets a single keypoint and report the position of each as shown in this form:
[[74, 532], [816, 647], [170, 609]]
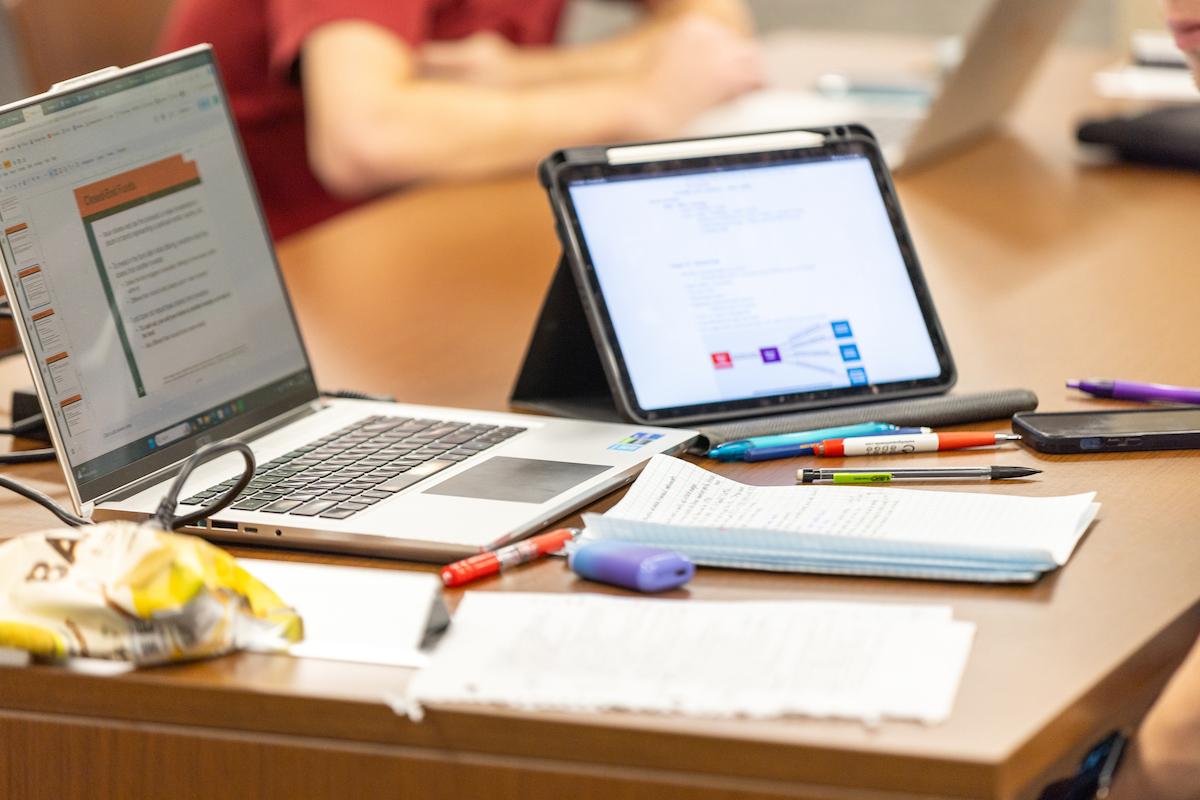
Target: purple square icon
[[769, 354]]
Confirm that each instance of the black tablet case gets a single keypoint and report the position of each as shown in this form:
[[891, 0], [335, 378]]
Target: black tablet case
[[1166, 137], [562, 374]]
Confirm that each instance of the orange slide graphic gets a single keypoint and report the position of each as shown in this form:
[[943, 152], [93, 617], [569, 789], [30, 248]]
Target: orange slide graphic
[[120, 189]]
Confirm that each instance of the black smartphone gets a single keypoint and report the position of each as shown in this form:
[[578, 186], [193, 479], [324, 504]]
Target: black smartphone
[[1110, 431]]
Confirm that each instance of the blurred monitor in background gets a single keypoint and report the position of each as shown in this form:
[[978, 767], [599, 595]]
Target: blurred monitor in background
[[341, 100]]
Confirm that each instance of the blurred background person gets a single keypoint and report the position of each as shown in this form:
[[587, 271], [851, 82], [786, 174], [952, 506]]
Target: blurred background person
[[341, 100]]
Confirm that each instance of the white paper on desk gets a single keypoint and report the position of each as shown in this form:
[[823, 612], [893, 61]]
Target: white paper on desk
[[590, 653], [676, 504], [375, 616]]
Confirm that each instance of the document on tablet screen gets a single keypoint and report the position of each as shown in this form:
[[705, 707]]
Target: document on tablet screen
[[753, 281]]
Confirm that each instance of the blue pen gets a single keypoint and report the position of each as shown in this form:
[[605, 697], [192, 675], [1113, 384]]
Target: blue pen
[[792, 450], [732, 451]]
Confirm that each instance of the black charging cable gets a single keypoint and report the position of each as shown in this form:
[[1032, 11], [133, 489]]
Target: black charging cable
[[44, 500], [21, 428], [28, 456], [165, 516]]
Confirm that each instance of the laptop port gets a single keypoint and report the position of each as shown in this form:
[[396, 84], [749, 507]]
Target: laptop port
[[216, 523], [248, 529]]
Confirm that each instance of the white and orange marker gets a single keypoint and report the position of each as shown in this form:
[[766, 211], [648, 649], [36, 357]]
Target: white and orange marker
[[911, 443]]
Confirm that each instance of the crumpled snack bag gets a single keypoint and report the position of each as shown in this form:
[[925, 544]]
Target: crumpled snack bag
[[132, 592]]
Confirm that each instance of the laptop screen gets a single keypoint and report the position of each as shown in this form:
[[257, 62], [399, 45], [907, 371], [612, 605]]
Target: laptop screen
[[143, 272]]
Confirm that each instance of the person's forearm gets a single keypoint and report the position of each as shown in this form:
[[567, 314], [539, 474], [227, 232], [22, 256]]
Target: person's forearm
[[478, 130], [626, 51], [372, 123]]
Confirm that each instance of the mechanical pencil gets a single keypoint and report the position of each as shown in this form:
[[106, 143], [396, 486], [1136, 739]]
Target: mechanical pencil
[[731, 451], [484, 564], [869, 476], [1133, 390], [918, 443], [791, 450]]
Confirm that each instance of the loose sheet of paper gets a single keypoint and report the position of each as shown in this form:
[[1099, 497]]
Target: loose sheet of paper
[[706, 509], [375, 616], [583, 652]]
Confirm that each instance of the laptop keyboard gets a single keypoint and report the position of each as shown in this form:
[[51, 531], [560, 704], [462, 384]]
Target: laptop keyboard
[[352, 469]]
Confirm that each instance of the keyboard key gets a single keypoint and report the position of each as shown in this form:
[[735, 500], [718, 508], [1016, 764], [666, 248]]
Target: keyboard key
[[340, 513], [281, 506], [414, 475], [314, 507], [249, 504]]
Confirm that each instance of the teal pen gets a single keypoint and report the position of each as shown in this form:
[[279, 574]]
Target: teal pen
[[731, 451]]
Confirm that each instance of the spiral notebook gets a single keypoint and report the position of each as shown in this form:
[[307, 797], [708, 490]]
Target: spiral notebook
[[846, 530]]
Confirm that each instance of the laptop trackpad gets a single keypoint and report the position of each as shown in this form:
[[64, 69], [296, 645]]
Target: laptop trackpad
[[520, 480]]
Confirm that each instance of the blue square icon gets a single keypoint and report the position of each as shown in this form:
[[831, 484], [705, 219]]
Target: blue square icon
[[850, 352], [841, 329], [858, 376]]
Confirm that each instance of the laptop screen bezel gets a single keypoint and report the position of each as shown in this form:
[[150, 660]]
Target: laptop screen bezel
[[305, 390]]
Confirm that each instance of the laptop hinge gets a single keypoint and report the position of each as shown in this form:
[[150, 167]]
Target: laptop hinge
[[270, 426]]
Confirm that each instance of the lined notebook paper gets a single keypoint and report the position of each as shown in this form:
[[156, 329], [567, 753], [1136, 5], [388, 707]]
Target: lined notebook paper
[[852, 530], [591, 653]]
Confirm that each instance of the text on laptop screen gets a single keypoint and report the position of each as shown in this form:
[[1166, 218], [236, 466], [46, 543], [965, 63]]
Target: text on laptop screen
[[146, 279], [753, 281]]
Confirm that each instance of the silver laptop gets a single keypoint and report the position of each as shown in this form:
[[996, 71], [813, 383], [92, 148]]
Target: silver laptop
[[999, 57], [154, 318]]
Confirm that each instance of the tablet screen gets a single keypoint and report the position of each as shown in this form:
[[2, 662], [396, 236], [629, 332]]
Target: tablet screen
[[753, 280]]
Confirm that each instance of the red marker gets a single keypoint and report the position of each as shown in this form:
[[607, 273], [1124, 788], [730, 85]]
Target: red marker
[[912, 443], [484, 564]]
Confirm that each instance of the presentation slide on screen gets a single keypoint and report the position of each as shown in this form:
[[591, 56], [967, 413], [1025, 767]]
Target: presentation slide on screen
[[131, 236], [159, 262], [754, 282]]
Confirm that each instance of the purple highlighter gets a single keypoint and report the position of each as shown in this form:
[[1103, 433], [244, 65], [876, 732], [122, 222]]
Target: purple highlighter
[[1132, 390], [633, 566]]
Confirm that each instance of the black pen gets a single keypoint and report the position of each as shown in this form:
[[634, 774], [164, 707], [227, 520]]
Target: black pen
[[869, 476]]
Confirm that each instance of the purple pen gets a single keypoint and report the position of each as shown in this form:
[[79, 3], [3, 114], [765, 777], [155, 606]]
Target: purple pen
[[1132, 390]]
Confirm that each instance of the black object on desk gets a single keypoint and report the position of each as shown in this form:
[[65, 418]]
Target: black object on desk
[[1165, 137]]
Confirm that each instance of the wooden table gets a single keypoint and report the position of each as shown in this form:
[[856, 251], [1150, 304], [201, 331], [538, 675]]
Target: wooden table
[[1042, 270]]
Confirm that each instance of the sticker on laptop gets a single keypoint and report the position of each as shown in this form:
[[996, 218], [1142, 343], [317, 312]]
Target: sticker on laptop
[[636, 441]]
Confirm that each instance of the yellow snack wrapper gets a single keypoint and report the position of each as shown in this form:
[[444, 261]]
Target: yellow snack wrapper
[[135, 593]]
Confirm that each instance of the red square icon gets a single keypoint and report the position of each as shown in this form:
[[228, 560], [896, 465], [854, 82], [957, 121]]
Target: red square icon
[[722, 361]]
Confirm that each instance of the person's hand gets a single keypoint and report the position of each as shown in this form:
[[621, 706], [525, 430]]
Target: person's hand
[[1163, 762], [697, 63], [484, 59]]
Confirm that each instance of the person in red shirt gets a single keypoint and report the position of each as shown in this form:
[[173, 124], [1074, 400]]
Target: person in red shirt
[[341, 100]]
